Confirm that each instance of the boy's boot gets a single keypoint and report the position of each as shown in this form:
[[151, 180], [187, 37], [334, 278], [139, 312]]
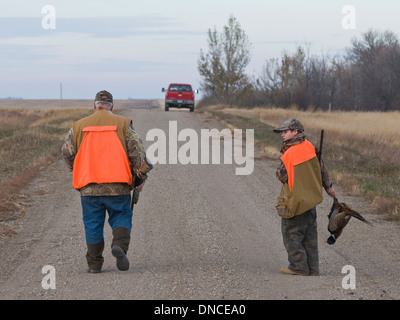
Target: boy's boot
[[119, 247], [94, 257]]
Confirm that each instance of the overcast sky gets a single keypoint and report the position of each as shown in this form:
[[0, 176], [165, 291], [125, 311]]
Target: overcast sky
[[134, 48]]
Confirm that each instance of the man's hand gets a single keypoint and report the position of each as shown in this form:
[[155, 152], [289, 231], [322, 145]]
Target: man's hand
[[140, 187]]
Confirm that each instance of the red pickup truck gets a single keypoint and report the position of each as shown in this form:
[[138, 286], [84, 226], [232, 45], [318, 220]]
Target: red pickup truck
[[179, 95]]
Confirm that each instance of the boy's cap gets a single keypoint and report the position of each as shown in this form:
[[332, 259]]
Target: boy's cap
[[290, 124], [104, 95]]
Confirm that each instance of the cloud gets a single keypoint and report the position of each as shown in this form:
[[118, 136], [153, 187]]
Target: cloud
[[99, 27], [122, 44]]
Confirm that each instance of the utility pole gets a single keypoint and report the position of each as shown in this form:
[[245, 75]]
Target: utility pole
[[60, 90]]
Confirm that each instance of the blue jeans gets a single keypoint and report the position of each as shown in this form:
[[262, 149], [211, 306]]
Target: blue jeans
[[94, 214]]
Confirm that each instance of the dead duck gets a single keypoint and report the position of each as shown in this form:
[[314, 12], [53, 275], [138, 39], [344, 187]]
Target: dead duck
[[339, 217]]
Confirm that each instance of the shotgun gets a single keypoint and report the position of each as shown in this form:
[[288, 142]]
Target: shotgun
[[139, 179]]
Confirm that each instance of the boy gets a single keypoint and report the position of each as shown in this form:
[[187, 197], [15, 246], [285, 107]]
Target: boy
[[303, 177]]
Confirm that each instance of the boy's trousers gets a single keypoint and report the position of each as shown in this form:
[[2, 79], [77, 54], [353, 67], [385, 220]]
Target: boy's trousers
[[300, 239]]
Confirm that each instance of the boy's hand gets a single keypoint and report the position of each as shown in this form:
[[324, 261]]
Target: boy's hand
[[331, 191]]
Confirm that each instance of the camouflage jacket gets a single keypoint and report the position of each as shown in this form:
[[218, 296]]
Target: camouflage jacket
[[136, 154], [281, 172]]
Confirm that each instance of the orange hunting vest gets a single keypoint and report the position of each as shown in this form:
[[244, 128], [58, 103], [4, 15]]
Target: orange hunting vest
[[101, 157], [304, 188], [295, 155]]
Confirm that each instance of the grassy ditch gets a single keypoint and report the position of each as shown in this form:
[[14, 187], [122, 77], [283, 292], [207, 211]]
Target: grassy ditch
[[354, 158], [29, 140], [30, 136]]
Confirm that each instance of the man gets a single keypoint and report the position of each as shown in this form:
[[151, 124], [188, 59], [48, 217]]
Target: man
[[302, 176], [104, 152]]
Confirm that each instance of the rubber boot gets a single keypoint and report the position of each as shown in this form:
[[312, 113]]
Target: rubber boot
[[94, 257], [119, 247]]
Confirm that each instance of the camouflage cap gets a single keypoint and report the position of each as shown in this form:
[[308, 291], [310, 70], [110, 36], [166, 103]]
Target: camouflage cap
[[290, 124], [104, 95]]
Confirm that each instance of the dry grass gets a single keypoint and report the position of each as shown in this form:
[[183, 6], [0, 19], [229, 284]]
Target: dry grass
[[372, 133], [29, 136], [361, 150], [29, 140]]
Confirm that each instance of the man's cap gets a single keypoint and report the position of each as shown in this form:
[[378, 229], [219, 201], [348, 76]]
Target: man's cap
[[104, 95], [290, 124]]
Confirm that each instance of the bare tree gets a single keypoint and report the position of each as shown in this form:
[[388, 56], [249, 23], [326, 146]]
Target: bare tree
[[375, 60], [284, 81], [222, 68]]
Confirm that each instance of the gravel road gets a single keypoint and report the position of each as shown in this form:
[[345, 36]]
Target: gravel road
[[199, 232]]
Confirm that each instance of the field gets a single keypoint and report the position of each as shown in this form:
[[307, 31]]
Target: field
[[361, 149], [30, 136]]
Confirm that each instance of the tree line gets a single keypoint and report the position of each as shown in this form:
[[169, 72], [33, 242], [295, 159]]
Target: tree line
[[365, 78]]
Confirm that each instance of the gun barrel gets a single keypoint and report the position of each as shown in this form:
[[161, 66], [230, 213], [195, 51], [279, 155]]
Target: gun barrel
[[321, 142]]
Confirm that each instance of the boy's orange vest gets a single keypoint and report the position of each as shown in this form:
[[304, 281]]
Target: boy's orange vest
[[295, 155], [304, 188], [101, 156]]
